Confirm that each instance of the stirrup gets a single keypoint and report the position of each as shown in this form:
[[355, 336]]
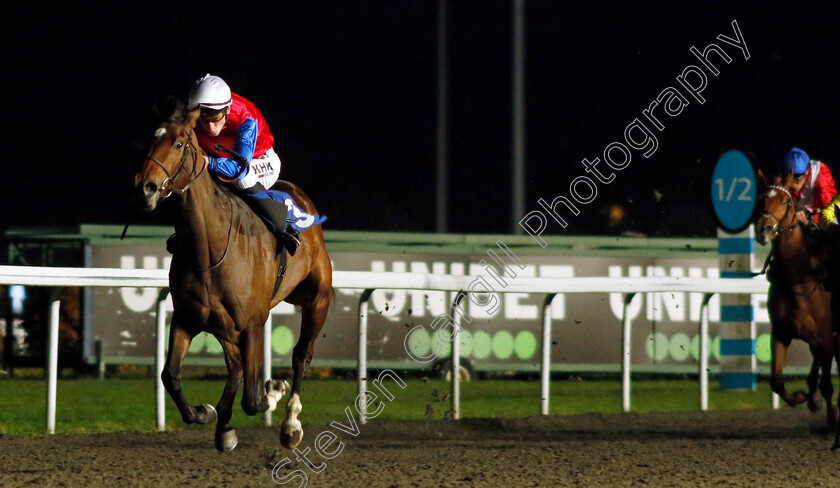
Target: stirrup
[[290, 241]]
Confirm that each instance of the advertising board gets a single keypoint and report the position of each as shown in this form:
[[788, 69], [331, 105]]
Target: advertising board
[[586, 330]]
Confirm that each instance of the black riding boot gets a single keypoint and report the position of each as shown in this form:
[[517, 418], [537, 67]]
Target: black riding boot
[[275, 213]]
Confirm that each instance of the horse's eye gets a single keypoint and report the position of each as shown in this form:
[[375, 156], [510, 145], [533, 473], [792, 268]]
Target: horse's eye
[[179, 145]]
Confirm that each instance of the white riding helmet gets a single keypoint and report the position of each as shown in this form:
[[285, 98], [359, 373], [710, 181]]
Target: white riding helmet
[[210, 92]]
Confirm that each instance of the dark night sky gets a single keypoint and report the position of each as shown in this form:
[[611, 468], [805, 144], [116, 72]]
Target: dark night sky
[[349, 89]]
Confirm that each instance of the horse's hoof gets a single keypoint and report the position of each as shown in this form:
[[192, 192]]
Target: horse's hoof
[[815, 405], [226, 440], [290, 440], [205, 414]]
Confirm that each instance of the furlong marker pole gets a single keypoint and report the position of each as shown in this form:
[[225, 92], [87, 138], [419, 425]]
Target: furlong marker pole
[[737, 325], [733, 195]]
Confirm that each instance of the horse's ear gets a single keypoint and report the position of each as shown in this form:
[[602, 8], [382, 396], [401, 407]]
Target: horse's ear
[[164, 109], [761, 179], [191, 117], [788, 180]]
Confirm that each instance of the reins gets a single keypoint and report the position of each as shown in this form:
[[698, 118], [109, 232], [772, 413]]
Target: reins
[[227, 244]]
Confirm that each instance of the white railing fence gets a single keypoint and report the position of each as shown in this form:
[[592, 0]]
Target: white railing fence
[[368, 282]]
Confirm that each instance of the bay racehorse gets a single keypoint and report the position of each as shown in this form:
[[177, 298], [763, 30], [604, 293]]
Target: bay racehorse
[[797, 301], [222, 279]]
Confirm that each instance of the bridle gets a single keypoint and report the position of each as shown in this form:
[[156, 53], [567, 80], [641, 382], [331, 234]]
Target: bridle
[[778, 227], [189, 149]]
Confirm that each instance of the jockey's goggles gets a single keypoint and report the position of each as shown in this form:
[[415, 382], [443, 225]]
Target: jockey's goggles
[[212, 115]]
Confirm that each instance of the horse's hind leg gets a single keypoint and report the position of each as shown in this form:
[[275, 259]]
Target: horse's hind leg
[[312, 319], [777, 380], [816, 397], [179, 343], [836, 424], [826, 388]]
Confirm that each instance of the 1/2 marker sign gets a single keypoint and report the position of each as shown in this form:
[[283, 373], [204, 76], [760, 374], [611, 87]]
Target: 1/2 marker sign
[[734, 191]]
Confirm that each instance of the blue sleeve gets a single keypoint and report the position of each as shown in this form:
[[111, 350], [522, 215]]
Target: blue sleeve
[[247, 140], [245, 144], [225, 167]]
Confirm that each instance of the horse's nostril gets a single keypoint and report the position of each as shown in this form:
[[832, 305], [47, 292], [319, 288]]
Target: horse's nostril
[[149, 188]]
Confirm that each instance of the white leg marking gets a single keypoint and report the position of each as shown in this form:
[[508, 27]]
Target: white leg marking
[[293, 409], [274, 391]]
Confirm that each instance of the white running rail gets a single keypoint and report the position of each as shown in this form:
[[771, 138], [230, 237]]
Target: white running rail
[[370, 281]]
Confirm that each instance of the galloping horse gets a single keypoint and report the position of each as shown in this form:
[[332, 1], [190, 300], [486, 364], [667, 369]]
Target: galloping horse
[[222, 280], [798, 303]]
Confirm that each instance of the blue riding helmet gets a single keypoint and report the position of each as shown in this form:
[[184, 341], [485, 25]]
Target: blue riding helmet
[[797, 161]]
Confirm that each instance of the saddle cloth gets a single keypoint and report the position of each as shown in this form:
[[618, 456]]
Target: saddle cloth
[[296, 217]]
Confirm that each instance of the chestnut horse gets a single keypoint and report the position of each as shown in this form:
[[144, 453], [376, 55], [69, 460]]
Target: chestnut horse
[[798, 303], [222, 280]]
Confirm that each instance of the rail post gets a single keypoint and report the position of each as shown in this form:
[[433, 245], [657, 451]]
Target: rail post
[[545, 370], [626, 334], [100, 362], [704, 352], [455, 384], [267, 359], [363, 319], [52, 358], [160, 333]]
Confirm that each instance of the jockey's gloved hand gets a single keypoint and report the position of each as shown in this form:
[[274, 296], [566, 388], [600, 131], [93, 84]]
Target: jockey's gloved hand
[[228, 168]]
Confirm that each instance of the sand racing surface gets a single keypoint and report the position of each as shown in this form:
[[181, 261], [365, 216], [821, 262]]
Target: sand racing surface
[[787, 447]]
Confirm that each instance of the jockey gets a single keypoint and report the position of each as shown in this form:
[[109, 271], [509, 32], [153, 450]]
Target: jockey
[[813, 185], [236, 123]]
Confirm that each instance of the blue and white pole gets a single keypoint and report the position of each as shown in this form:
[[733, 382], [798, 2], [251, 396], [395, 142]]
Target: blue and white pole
[[737, 324], [733, 195]]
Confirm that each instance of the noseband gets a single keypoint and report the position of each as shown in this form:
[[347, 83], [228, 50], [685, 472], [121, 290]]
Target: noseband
[[164, 189], [778, 227]]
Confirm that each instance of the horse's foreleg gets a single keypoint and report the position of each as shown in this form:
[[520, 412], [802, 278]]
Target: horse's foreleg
[[253, 401], [179, 344], [311, 320], [777, 380], [226, 438]]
